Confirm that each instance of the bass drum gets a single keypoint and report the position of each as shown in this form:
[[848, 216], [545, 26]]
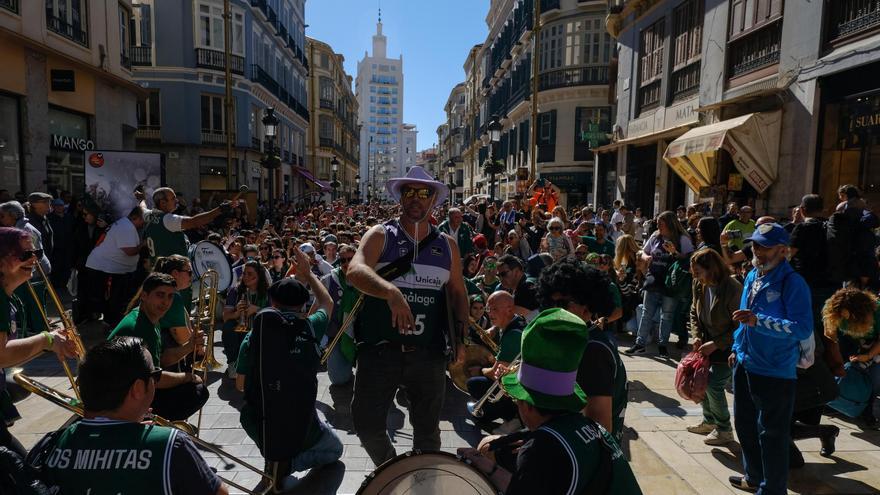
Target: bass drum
[[427, 473], [204, 256]]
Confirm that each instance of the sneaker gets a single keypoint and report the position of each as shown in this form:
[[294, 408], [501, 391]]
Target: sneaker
[[718, 437], [508, 427], [741, 483], [635, 349], [230, 372], [703, 428], [662, 351]]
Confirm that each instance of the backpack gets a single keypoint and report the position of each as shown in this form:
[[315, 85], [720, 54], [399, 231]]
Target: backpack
[[855, 391]]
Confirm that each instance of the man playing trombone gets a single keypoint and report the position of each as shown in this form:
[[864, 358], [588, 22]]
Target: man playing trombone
[[510, 326], [111, 447], [179, 395]]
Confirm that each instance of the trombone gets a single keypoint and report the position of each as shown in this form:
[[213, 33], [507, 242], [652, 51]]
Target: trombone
[[75, 406], [484, 336], [205, 316], [66, 322], [496, 391]]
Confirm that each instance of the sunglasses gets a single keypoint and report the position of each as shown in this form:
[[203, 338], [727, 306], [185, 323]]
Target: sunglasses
[[420, 192], [277, 257], [31, 253], [554, 229]]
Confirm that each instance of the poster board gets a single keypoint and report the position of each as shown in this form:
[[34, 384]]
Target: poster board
[[112, 176]]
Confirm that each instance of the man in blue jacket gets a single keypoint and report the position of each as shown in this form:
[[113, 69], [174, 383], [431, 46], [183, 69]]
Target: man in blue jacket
[[775, 316]]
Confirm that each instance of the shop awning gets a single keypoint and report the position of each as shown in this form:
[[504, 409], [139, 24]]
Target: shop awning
[[752, 141], [311, 178]]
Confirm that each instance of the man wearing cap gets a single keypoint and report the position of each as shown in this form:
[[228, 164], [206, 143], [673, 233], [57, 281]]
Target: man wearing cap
[[775, 316], [295, 430], [39, 205], [743, 223], [566, 452], [400, 330]]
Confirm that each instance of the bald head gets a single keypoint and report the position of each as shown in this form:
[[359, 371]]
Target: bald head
[[500, 308]]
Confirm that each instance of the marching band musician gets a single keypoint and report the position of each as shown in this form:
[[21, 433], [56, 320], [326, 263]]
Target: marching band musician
[[110, 447], [339, 364], [565, 452], [178, 339], [509, 326], [17, 259], [177, 395], [400, 332], [243, 301], [277, 371], [164, 229]]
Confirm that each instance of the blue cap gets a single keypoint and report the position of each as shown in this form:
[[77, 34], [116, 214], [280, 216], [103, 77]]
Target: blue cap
[[57, 202], [769, 235]]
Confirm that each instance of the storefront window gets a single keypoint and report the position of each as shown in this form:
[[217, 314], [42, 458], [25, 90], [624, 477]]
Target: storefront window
[[10, 161], [69, 139]]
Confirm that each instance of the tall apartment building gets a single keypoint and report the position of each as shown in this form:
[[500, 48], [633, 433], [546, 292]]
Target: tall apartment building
[[333, 132], [379, 90], [178, 54], [749, 100], [575, 51], [65, 87]]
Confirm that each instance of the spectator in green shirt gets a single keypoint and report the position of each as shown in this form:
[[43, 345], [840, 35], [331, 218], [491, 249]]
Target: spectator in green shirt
[[743, 223], [599, 243]]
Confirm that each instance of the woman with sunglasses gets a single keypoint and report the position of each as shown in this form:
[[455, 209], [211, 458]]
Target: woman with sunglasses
[[517, 246], [555, 242], [17, 260], [278, 265]]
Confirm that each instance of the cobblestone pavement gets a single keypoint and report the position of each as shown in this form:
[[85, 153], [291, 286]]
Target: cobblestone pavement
[[666, 458]]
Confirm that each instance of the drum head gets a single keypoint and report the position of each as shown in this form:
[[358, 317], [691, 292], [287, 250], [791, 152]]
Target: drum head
[[426, 473], [206, 255]]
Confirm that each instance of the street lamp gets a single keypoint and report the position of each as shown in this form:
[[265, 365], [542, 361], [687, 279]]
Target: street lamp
[[450, 167], [491, 166], [334, 184], [270, 161], [357, 188]]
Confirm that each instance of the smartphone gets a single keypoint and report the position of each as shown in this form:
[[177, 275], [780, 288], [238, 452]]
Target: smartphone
[[735, 234]]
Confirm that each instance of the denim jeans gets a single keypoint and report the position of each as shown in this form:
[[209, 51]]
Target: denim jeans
[[763, 407], [715, 410], [656, 302], [381, 370], [327, 450], [231, 342], [338, 368]]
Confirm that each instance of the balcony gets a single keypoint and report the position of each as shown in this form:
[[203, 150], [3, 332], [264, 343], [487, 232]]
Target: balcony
[[282, 32], [148, 133], [580, 76], [327, 142], [328, 104], [272, 17], [258, 75], [141, 55], [755, 51], [851, 18], [260, 4], [10, 5], [216, 60], [210, 136], [685, 81], [69, 31]]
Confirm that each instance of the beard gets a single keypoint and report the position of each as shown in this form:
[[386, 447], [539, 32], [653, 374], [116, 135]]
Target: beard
[[766, 267]]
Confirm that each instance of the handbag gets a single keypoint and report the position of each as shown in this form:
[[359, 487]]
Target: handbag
[[692, 376], [855, 391]]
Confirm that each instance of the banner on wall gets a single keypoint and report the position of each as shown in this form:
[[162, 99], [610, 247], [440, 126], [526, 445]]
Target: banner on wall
[[113, 176]]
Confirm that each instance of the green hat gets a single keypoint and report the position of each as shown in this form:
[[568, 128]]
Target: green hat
[[552, 346]]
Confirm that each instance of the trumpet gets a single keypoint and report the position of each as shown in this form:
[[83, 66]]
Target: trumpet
[[496, 391], [66, 322], [484, 336], [76, 406]]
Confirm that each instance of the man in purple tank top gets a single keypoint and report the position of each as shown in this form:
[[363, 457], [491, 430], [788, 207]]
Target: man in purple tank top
[[403, 332]]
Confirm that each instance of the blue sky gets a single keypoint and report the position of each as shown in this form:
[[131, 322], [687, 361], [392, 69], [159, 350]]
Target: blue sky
[[434, 38]]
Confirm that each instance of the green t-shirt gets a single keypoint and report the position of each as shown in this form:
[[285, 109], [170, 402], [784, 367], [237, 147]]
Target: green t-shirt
[[511, 340], [160, 240], [592, 243], [487, 288], [136, 324], [177, 315], [746, 228]]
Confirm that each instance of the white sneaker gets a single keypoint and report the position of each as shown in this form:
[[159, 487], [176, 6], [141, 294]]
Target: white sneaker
[[230, 372], [702, 428], [717, 437], [508, 427]]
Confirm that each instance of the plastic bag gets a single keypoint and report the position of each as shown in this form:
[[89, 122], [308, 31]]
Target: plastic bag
[[692, 376]]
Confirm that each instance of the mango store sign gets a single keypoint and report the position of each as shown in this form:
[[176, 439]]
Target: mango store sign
[[72, 143]]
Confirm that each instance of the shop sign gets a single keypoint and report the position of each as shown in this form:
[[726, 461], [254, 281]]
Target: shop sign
[[734, 182], [63, 80], [569, 180], [72, 143]]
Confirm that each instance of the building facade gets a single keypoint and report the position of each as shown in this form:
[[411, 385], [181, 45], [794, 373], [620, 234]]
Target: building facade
[[574, 53], [178, 55], [735, 100], [450, 138], [66, 87], [379, 91], [334, 113]]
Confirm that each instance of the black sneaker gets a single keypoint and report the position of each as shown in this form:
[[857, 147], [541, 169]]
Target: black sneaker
[[635, 349], [662, 351]]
